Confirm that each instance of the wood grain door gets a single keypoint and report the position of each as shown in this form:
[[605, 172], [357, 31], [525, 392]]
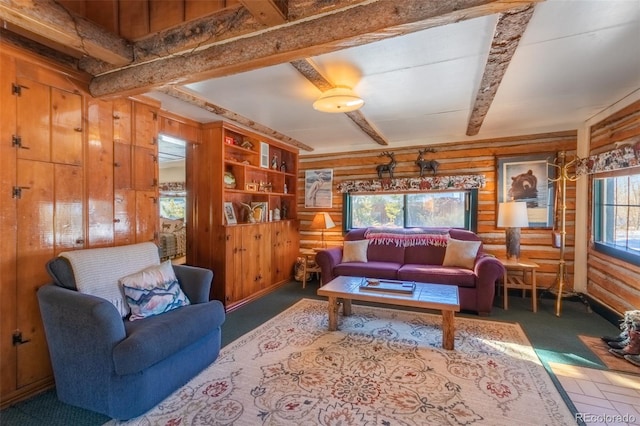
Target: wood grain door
[[145, 125], [279, 252], [147, 214], [100, 178], [145, 169], [122, 170], [66, 127], [8, 226], [33, 120], [233, 265], [124, 222], [122, 118], [35, 246]]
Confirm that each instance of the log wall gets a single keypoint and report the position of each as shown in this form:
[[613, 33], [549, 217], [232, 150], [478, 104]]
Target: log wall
[[461, 158], [609, 280]]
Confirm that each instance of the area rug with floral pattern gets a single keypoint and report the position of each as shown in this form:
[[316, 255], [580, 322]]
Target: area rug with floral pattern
[[382, 367]]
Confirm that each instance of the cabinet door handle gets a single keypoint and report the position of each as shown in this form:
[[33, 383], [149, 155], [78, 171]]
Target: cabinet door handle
[[116, 220], [80, 241], [77, 129], [116, 164]]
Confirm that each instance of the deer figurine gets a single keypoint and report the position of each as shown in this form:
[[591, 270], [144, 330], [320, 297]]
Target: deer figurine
[[381, 168], [426, 164]]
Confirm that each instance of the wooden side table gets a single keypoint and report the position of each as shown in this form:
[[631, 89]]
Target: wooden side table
[[310, 265], [515, 276]]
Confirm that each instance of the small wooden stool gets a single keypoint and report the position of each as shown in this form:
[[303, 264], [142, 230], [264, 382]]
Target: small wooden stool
[[309, 266], [515, 276]]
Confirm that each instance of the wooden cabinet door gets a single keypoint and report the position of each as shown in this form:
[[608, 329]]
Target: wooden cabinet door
[[122, 118], [145, 125], [190, 133], [146, 216], [122, 169], [233, 265], [145, 169], [66, 127], [68, 208], [100, 174], [33, 120], [292, 246], [35, 246], [124, 222], [8, 227], [278, 244]]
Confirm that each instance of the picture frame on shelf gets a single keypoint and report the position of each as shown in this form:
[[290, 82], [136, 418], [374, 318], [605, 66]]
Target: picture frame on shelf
[[264, 155], [528, 178], [230, 214], [229, 140], [253, 186]]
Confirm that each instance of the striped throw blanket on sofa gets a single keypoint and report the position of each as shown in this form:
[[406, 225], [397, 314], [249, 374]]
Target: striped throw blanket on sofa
[[403, 237]]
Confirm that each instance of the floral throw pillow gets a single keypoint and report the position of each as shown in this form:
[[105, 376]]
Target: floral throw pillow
[[153, 291]]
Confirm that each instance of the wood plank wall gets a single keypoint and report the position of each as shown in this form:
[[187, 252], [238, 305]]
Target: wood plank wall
[[611, 281], [462, 158]]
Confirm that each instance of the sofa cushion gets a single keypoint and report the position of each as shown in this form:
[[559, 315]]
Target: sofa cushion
[[153, 291], [355, 251], [437, 274], [151, 340], [383, 270], [461, 253], [98, 270]]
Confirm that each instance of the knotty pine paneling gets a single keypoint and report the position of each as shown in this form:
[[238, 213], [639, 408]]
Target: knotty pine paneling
[[609, 280], [462, 158], [136, 19]]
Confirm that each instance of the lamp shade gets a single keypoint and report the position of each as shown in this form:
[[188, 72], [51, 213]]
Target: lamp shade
[[513, 215], [338, 99], [322, 221]]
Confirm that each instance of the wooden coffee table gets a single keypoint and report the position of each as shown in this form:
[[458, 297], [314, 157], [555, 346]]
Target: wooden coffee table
[[428, 296]]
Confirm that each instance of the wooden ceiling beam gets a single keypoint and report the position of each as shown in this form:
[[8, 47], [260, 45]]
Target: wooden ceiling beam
[[268, 12], [509, 30], [310, 71], [193, 99], [193, 35], [48, 20], [353, 26]]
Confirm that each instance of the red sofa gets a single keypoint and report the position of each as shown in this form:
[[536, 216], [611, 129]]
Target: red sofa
[[421, 263]]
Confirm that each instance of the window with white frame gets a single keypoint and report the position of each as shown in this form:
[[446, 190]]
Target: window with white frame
[[452, 209], [616, 216]]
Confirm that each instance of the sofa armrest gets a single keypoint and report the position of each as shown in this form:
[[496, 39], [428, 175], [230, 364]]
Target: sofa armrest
[[488, 270], [195, 282], [327, 260], [81, 332]]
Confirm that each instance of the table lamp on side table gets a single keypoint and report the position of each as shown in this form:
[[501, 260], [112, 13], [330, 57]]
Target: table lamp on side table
[[322, 221], [513, 216]]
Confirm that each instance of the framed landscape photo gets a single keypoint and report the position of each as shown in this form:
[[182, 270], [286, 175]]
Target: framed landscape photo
[[527, 178], [264, 155], [230, 214]]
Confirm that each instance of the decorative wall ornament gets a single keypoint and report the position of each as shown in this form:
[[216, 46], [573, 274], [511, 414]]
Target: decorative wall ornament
[[176, 189], [382, 168], [615, 159], [426, 164], [414, 184]]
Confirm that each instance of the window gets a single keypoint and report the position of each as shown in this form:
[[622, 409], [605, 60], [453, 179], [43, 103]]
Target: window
[[616, 216], [452, 209]]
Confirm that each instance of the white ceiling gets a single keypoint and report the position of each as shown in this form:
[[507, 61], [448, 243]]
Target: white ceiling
[[576, 58]]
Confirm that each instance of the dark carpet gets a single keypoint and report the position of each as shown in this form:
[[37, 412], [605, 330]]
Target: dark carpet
[[555, 339]]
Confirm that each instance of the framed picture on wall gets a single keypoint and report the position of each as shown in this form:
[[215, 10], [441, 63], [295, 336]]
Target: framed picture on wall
[[527, 178], [318, 188]]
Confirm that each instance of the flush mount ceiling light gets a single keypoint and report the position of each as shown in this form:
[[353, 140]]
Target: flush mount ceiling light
[[338, 99]]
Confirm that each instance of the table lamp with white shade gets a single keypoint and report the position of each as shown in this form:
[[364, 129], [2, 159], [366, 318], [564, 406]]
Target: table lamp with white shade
[[512, 216], [322, 221]]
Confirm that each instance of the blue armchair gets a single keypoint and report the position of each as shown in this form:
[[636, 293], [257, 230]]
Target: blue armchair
[[108, 364]]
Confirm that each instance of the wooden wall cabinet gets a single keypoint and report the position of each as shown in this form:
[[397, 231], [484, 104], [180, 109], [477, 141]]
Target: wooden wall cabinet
[[249, 259], [75, 173]]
